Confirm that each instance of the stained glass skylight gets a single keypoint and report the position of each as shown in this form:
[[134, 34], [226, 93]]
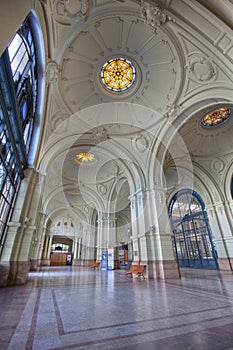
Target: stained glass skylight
[[85, 157], [216, 117], [118, 74]]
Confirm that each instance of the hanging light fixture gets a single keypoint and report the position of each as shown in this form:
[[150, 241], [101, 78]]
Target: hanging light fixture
[[85, 157]]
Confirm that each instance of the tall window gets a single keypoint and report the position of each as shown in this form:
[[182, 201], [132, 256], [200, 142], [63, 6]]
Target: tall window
[[232, 187], [18, 91]]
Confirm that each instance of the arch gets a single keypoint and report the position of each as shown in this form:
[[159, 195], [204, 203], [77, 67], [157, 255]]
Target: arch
[[182, 192], [40, 52], [169, 132], [193, 242], [228, 183], [203, 181], [232, 187], [21, 99], [69, 130]]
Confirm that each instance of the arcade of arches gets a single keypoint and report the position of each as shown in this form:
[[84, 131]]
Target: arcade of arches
[[132, 142]]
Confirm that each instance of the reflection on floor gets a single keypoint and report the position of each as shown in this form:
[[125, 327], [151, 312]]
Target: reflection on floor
[[80, 308]]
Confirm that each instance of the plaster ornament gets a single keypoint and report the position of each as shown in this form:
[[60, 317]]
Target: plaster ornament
[[201, 69], [140, 143], [100, 135], [52, 72], [86, 209], [69, 9], [217, 165], [132, 204], [84, 7], [152, 15], [171, 111], [61, 7], [102, 189], [220, 210]]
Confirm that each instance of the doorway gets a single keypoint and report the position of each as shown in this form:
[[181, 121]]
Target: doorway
[[193, 243]]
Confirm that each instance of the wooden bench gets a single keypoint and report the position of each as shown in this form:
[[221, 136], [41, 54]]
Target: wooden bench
[[137, 270], [96, 264]]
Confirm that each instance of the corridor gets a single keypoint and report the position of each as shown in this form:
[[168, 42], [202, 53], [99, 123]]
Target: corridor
[[79, 308]]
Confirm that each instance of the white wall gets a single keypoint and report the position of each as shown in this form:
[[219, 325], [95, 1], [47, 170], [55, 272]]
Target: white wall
[[12, 14]]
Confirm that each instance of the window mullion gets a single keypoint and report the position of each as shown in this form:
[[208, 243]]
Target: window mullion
[[12, 112]]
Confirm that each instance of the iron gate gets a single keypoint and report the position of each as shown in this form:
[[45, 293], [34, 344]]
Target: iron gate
[[193, 242]]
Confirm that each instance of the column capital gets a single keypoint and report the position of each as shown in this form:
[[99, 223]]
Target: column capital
[[15, 224]]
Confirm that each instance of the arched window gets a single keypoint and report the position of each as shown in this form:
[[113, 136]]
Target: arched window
[[232, 187], [18, 100], [22, 59], [192, 237]]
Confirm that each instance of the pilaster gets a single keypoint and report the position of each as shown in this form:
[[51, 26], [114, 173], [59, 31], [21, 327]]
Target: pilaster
[[221, 226], [153, 240], [5, 265], [106, 233]]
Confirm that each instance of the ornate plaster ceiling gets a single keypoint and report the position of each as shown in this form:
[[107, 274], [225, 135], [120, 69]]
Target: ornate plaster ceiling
[[174, 66], [120, 35], [207, 142]]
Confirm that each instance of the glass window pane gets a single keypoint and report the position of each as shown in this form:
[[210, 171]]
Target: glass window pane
[[2, 174], [14, 46], [18, 65], [21, 55]]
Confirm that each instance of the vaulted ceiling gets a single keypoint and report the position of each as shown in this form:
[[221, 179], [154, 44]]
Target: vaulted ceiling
[[182, 53]]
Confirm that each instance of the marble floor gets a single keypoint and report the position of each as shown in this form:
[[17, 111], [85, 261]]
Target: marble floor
[[79, 308]]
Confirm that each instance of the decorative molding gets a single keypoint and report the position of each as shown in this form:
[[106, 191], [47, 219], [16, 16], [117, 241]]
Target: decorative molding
[[152, 15], [102, 189], [86, 209], [63, 12], [217, 165], [172, 111], [140, 143], [84, 7], [52, 72], [132, 203], [220, 210], [100, 135], [201, 69]]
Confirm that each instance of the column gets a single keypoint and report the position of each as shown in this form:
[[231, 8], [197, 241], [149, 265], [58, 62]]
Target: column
[[134, 228], [75, 248], [106, 232], [221, 227], [41, 249], [23, 262], [161, 237], [111, 229], [49, 248], [102, 243], [45, 247], [79, 248], [151, 234], [90, 244], [6, 253], [37, 242]]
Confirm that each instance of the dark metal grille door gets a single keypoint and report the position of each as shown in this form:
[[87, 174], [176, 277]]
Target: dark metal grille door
[[193, 243]]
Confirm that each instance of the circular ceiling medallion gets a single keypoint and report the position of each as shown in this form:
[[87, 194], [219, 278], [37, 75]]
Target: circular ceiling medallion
[[118, 75], [216, 117]]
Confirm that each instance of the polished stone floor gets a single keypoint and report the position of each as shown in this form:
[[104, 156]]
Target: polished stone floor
[[79, 308]]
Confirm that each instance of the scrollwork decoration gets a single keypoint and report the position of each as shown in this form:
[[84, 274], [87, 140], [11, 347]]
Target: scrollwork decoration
[[67, 10], [152, 15], [201, 69], [52, 72]]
